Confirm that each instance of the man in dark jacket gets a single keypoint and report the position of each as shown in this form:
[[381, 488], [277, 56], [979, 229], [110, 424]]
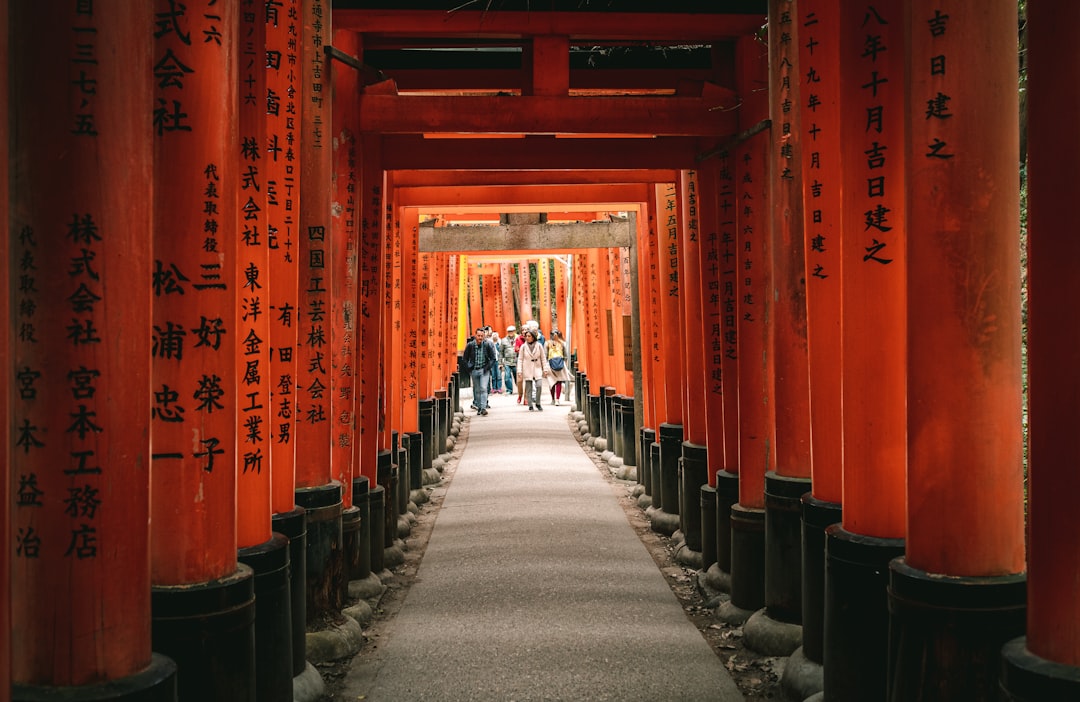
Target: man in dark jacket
[[480, 357]]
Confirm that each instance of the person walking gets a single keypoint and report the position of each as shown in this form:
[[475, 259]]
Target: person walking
[[496, 373], [532, 367], [508, 360], [556, 358], [479, 358]]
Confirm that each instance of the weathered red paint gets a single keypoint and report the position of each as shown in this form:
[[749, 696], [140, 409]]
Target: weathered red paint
[[965, 447], [873, 261], [283, 239], [820, 107], [252, 281], [193, 430], [790, 362], [75, 351]]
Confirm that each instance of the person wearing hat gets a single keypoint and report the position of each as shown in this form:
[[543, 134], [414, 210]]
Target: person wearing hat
[[508, 359]]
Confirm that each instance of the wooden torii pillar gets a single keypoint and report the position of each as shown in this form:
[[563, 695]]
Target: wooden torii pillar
[[283, 239], [342, 318], [819, 104], [777, 629], [194, 568], [873, 260], [76, 355], [5, 386], [259, 547], [694, 465], [664, 516], [754, 328], [1045, 664], [959, 591], [316, 489]]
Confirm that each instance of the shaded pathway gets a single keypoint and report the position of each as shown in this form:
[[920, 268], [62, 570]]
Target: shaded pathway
[[534, 587]]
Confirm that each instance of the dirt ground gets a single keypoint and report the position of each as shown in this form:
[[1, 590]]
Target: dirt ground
[[755, 675]]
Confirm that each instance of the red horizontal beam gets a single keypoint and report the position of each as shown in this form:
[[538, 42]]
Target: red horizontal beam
[[579, 26], [517, 114], [413, 178], [542, 196], [538, 153], [410, 79]]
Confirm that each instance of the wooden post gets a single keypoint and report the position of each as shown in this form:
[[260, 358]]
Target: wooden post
[[5, 384], [756, 418], [694, 470], [265, 552], [414, 325], [345, 216], [195, 341], [785, 485], [819, 104], [317, 491], [372, 189], [670, 431], [282, 103], [76, 255], [1046, 663], [252, 282], [873, 262], [965, 477]]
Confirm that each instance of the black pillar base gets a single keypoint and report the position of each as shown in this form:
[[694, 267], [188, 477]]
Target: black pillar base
[[707, 497], [946, 633], [377, 519], [325, 562], [444, 417], [593, 415], [783, 546], [293, 525], [647, 438], [401, 504], [655, 475], [208, 629], [1026, 677], [350, 545], [628, 431], [155, 683], [615, 437], [694, 472], [273, 618], [359, 567], [414, 445], [816, 516], [607, 394], [386, 476], [856, 614], [747, 557], [727, 495], [670, 452], [427, 430]]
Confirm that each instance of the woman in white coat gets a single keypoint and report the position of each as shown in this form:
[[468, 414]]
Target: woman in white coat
[[532, 367]]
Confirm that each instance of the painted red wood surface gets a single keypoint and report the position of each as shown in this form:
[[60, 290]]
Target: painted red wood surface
[[819, 104], [193, 430], [75, 350], [965, 447], [283, 240], [252, 281], [1053, 482], [791, 364], [873, 261]]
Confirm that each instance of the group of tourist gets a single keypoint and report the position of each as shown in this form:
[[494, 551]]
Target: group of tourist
[[496, 364]]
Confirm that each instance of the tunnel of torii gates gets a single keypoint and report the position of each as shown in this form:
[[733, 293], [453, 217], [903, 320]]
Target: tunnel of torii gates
[[802, 329]]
